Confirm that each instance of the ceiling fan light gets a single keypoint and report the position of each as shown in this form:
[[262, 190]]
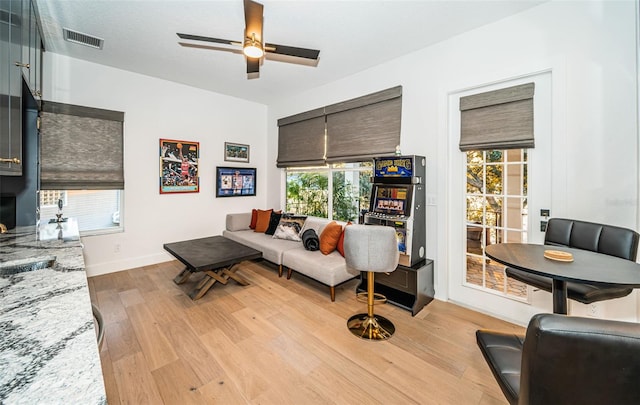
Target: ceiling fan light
[[253, 48], [253, 51]]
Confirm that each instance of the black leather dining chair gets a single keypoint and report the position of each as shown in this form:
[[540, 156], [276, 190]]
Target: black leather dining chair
[[566, 360], [606, 239]]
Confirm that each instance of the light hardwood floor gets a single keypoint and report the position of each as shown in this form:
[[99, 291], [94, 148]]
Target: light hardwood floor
[[280, 341]]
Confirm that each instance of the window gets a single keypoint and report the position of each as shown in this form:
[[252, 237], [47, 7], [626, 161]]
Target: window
[[496, 211], [339, 191], [95, 210]]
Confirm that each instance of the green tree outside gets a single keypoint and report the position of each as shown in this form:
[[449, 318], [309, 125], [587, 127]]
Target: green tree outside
[[307, 193]]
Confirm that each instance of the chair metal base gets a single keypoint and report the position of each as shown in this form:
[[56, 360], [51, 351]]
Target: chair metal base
[[374, 327]]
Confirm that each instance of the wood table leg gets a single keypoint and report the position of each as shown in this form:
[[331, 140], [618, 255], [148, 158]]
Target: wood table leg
[[210, 278], [182, 277], [198, 293], [202, 282], [213, 274], [231, 273]]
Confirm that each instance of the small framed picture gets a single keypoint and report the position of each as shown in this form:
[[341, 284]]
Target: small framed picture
[[235, 152]]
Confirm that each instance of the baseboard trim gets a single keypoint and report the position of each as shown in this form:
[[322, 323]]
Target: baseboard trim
[[126, 264]]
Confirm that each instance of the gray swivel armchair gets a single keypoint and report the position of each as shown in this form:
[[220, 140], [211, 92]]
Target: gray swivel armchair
[[371, 248]]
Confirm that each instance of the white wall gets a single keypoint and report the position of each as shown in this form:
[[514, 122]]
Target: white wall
[[157, 109], [590, 49]]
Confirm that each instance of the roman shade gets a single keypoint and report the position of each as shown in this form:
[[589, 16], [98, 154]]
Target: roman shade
[[301, 139], [499, 119], [81, 148], [349, 131], [364, 127]]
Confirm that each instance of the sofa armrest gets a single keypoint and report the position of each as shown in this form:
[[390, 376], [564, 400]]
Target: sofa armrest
[[238, 222]]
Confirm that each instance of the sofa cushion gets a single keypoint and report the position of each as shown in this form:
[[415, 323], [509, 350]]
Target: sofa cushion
[[262, 223], [290, 227], [271, 248], [329, 237], [315, 223], [238, 222], [328, 269]]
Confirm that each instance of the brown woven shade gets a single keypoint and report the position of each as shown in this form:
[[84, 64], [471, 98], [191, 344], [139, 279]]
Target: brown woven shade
[[356, 130], [301, 139], [499, 119], [364, 127], [81, 148]]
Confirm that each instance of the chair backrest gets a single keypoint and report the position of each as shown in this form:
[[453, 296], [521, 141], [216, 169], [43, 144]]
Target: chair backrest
[[607, 239], [371, 248], [573, 360]]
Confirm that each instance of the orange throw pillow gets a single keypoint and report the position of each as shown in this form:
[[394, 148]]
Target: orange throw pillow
[[329, 237], [254, 218], [341, 240], [262, 222]]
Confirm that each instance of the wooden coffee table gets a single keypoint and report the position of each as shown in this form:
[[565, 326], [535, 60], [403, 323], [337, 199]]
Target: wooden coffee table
[[216, 256]]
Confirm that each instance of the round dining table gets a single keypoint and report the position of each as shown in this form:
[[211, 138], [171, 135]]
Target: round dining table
[[586, 267]]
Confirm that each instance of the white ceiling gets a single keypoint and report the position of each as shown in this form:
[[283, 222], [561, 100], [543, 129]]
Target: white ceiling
[[140, 36]]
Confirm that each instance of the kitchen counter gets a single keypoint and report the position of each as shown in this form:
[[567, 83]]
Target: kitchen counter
[[48, 347]]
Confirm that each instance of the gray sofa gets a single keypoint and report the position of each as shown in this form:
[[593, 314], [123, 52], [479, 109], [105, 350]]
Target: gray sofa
[[330, 269]]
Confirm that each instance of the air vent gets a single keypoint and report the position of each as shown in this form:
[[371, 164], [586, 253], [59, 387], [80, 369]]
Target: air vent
[[82, 39]]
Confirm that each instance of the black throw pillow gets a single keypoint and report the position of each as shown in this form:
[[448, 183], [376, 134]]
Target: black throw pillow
[[273, 223]]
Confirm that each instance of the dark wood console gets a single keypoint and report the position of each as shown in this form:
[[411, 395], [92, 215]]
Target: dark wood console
[[410, 288]]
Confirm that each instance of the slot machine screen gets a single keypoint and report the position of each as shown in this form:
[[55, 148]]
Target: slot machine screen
[[393, 200]]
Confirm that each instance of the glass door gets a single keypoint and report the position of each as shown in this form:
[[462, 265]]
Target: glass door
[[496, 212]]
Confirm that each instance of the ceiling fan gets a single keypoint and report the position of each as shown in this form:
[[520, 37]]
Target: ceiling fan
[[253, 46]]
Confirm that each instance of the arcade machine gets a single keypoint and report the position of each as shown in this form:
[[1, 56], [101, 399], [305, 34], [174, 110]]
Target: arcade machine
[[398, 200]]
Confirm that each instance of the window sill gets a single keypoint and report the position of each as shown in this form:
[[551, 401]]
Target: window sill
[[99, 232]]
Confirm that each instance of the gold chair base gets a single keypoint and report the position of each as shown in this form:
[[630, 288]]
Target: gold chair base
[[373, 328], [377, 297]]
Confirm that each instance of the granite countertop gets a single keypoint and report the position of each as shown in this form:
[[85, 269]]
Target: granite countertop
[[48, 348]]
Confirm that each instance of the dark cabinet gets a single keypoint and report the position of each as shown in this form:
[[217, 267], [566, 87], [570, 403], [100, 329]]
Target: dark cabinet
[[20, 58], [11, 21], [410, 288]]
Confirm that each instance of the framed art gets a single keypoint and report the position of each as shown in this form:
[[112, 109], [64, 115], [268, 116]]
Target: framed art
[[179, 166], [235, 181], [235, 152]]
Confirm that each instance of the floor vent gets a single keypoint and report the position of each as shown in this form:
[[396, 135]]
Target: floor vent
[[82, 39]]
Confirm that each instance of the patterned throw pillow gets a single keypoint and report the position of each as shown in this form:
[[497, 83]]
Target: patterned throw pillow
[[290, 227]]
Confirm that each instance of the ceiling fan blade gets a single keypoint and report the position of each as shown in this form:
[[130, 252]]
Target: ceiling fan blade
[[207, 39], [253, 65], [211, 48], [292, 51], [253, 16]]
